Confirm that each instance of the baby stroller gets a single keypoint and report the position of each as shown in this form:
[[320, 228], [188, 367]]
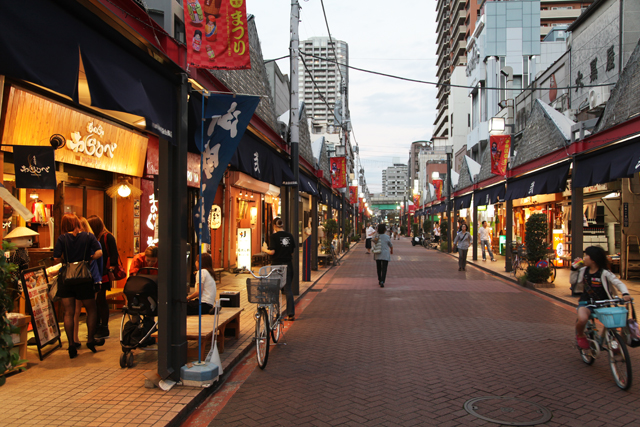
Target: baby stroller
[[138, 319]]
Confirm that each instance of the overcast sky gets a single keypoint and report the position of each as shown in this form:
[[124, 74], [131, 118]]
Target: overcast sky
[[396, 38]]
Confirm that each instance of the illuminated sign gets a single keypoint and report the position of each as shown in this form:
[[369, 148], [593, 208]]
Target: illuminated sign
[[244, 248]]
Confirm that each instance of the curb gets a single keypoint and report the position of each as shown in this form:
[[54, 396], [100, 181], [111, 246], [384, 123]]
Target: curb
[[181, 416]]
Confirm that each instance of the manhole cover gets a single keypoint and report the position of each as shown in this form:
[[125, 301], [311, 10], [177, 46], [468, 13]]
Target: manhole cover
[[508, 411]]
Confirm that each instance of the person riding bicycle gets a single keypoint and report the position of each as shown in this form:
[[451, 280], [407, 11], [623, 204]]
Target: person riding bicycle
[[596, 278]]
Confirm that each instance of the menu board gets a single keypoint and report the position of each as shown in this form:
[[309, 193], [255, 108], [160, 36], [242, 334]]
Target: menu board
[[43, 317]]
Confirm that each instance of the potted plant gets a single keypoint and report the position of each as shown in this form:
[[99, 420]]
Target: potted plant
[[427, 225], [8, 359], [330, 230], [444, 236], [536, 245]]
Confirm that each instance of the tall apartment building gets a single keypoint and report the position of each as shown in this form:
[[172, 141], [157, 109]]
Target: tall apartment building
[[558, 12], [394, 181]]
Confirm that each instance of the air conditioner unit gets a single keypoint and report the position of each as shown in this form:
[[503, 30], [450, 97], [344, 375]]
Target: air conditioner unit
[[598, 96]]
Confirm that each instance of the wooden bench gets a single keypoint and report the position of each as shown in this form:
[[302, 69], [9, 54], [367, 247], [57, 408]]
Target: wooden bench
[[228, 318]]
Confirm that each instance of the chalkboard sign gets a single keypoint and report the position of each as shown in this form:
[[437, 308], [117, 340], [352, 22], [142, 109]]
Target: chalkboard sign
[[43, 317]]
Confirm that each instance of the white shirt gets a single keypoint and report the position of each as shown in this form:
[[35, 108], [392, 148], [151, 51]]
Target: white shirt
[[484, 234], [370, 232], [209, 288], [436, 231]]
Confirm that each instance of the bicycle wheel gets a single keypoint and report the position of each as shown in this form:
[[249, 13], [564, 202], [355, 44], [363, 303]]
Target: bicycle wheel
[[514, 267], [262, 337], [553, 267], [619, 360], [276, 323]]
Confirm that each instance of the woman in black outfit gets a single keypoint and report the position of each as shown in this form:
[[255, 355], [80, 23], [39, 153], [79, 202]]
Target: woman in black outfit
[[75, 245], [281, 247], [110, 260]]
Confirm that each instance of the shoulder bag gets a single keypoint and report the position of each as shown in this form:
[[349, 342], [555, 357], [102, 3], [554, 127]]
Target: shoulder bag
[[633, 338], [113, 273], [75, 273], [377, 248]]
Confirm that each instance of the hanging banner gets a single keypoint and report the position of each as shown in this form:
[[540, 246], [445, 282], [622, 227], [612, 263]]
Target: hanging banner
[[338, 167], [217, 34], [35, 167], [225, 120], [437, 183], [416, 199], [500, 147], [353, 194], [360, 205]]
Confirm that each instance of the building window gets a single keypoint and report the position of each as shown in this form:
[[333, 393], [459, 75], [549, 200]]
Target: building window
[[611, 58], [594, 70], [178, 30]]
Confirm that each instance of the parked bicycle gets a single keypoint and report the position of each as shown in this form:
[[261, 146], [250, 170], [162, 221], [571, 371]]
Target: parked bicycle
[[613, 317], [551, 260], [519, 263], [264, 290]]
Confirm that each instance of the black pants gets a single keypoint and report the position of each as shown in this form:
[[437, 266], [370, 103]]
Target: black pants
[[462, 258], [192, 308], [381, 267]]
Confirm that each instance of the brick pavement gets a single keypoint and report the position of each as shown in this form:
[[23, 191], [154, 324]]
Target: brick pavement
[[414, 352]]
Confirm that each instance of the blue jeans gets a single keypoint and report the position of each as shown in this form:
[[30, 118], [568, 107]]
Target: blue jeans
[[486, 243]]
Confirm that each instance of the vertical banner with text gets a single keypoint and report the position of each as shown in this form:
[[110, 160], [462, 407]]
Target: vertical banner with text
[[338, 167], [500, 147], [217, 34], [437, 183], [353, 194]]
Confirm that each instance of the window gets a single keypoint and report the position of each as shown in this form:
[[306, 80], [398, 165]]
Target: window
[[178, 30]]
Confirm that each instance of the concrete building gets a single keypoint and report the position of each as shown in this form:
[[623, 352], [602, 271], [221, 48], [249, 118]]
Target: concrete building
[[555, 13], [279, 84], [169, 15], [395, 180]]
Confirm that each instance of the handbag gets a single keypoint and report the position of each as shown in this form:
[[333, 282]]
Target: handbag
[[75, 273], [377, 248], [633, 337], [114, 273], [53, 290]]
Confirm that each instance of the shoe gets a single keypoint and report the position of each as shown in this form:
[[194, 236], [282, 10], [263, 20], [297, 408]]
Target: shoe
[[95, 343], [459, 269], [77, 344], [464, 269], [103, 332], [291, 318], [494, 260], [73, 352], [582, 342], [382, 285], [484, 260]]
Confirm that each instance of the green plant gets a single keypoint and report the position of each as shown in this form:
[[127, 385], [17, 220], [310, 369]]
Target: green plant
[[535, 241], [8, 360], [415, 228], [403, 230], [427, 225], [444, 246], [330, 230], [444, 231], [523, 279]]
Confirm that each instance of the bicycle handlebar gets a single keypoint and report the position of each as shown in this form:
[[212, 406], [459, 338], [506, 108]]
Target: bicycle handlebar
[[264, 277], [616, 300]]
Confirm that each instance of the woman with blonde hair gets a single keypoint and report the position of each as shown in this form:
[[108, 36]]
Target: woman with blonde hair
[[75, 245], [109, 262]]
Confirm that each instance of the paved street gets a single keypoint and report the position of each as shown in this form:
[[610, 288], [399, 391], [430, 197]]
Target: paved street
[[414, 352]]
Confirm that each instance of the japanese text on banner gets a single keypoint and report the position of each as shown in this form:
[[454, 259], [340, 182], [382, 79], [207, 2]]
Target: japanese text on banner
[[500, 147]]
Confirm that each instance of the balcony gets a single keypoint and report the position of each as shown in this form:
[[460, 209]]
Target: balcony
[[559, 14]]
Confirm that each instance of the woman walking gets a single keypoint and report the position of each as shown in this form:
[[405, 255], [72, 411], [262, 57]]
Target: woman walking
[[75, 245], [462, 241], [281, 247], [110, 248], [383, 257]]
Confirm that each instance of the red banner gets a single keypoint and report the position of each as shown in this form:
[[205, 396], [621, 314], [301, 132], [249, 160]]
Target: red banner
[[500, 147], [416, 199], [360, 205], [217, 34], [353, 194], [338, 167], [437, 183]]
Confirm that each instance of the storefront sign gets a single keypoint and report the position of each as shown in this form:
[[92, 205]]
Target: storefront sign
[[91, 142], [625, 214], [215, 219], [43, 319], [338, 167], [35, 167], [558, 246], [217, 34], [244, 248], [500, 147]]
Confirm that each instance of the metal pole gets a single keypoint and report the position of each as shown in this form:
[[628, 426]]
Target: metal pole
[[449, 211], [294, 119], [509, 236], [476, 227], [577, 228]]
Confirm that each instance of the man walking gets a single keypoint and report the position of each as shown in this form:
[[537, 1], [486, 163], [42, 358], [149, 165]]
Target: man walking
[[485, 240], [370, 233]]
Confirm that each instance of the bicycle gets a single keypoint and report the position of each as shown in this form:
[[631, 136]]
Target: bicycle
[[612, 317], [520, 263], [265, 292], [551, 260]]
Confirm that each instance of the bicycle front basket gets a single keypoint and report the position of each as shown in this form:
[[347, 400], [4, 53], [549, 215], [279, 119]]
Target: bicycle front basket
[[263, 291], [612, 317]]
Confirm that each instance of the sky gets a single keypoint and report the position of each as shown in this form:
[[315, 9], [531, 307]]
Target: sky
[[384, 36]]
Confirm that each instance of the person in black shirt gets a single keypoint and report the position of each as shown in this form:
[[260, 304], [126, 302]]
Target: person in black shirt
[[597, 280], [281, 247]]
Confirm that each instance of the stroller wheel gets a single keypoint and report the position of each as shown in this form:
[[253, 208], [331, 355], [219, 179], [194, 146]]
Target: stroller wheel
[[123, 360], [129, 360]]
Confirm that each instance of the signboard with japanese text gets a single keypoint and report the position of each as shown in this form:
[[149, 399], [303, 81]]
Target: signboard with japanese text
[[217, 34], [437, 183], [558, 246], [244, 248], [500, 147], [338, 168], [353, 194]]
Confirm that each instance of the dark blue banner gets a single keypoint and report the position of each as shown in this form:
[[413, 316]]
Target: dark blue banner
[[226, 117], [35, 167]]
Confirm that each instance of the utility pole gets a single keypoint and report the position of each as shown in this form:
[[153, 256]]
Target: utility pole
[[294, 127], [449, 151]]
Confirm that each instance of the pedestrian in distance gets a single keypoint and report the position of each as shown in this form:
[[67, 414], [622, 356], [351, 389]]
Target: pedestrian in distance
[[462, 242], [485, 241], [597, 280], [383, 241], [394, 231], [281, 247], [370, 233]]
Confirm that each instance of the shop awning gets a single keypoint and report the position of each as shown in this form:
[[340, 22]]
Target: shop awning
[[546, 181], [325, 195], [307, 185], [463, 202], [490, 195], [259, 161], [607, 164], [37, 51]]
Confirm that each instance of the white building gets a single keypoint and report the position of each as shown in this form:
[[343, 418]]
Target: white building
[[395, 180]]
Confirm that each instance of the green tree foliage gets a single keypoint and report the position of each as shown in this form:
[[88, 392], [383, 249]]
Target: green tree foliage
[[8, 360], [536, 244]]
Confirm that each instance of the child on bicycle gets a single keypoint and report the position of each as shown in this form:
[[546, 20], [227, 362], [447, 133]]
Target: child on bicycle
[[597, 279]]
